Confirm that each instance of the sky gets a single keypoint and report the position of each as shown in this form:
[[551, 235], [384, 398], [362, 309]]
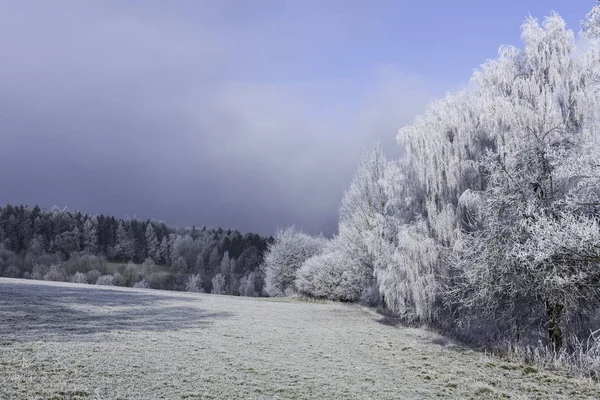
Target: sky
[[249, 115]]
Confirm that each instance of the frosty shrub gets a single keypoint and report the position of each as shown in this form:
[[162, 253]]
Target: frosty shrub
[[105, 280], [119, 280], [92, 276], [193, 283], [32, 259], [38, 272], [149, 265], [371, 295], [141, 284], [6, 256], [12, 271], [333, 275], [285, 256], [161, 281], [80, 277], [55, 273], [131, 273]]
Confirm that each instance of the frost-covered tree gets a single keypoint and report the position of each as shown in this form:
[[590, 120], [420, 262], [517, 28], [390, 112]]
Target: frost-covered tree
[[152, 245], [361, 204], [591, 24], [248, 284], [225, 266], [180, 265], [219, 284], [383, 199], [184, 252], [36, 246], [227, 269], [194, 283], [535, 237], [214, 260], [407, 271], [124, 248], [406, 259], [164, 250], [90, 236], [365, 204], [285, 256], [510, 182], [67, 242]]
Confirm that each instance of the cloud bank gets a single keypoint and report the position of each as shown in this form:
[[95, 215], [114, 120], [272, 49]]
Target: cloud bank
[[195, 114]]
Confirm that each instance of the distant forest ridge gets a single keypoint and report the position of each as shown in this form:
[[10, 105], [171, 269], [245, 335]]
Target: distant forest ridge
[[34, 241]]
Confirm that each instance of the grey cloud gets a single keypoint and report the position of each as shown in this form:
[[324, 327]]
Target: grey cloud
[[111, 109]]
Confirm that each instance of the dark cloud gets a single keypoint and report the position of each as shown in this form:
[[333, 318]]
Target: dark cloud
[[169, 111]]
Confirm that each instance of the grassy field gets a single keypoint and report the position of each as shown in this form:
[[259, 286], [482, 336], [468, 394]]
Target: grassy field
[[69, 341]]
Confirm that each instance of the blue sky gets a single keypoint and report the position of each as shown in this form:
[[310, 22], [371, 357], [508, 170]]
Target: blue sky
[[243, 114]]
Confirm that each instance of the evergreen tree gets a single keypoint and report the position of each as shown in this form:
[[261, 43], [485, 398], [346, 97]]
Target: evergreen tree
[[164, 250], [90, 236], [152, 246], [124, 248]]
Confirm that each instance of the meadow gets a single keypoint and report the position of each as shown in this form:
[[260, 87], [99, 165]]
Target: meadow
[[75, 341]]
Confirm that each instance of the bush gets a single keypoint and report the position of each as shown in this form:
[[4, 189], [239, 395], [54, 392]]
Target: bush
[[85, 262], [92, 276], [80, 277], [332, 276], [141, 284], [119, 280], [12, 271], [55, 274], [106, 280], [131, 273], [32, 259], [38, 272], [162, 281], [149, 266]]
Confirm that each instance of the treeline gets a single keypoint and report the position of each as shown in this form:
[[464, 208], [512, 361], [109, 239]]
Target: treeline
[[63, 245], [489, 227]]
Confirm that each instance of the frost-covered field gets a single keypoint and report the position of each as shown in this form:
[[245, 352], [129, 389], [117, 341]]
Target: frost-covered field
[[69, 341]]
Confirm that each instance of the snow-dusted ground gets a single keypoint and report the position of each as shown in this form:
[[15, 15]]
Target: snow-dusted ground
[[68, 341]]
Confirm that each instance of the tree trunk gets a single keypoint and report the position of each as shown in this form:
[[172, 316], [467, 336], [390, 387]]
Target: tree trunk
[[554, 311]]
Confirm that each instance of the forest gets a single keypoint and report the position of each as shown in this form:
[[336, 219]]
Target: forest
[[59, 245]]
